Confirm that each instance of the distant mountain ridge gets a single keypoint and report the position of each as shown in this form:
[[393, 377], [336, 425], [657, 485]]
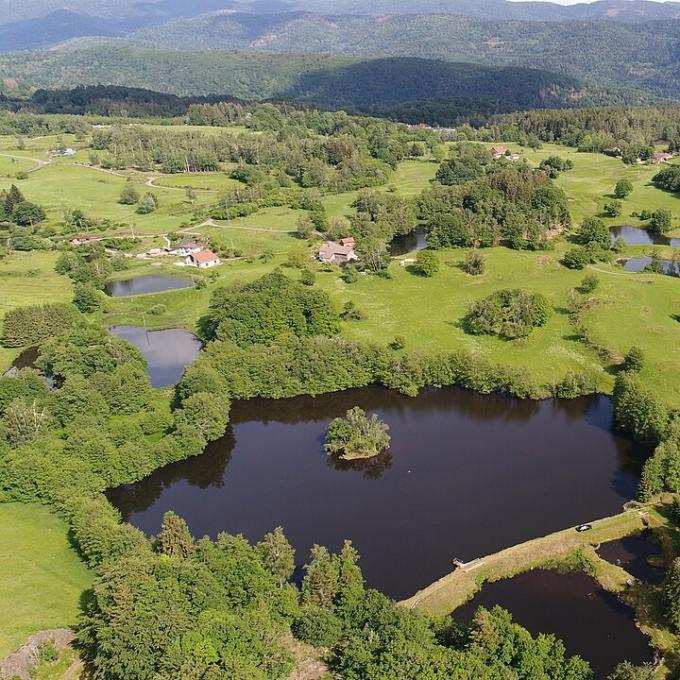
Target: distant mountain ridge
[[618, 10], [328, 81]]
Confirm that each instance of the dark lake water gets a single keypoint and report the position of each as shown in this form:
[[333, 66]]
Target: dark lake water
[[632, 553], [26, 359], [638, 264], [466, 475], [592, 623], [151, 283], [633, 236], [167, 353], [409, 243]]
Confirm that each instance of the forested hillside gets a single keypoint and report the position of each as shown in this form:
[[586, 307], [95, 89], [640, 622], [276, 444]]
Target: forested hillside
[[365, 84]]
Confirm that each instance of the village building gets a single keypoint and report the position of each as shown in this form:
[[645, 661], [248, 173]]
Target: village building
[[203, 259], [498, 152], [336, 253], [659, 158], [187, 247], [82, 240], [348, 241]]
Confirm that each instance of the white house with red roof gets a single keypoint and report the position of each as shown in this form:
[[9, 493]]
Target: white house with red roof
[[187, 247], [203, 259]]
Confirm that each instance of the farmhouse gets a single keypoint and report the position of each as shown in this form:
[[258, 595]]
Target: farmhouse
[[659, 158], [203, 259], [336, 253], [81, 240], [498, 151], [349, 241], [187, 247]]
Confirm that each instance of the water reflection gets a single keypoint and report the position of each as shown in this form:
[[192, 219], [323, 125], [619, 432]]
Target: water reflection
[[412, 242], [151, 283], [632, 236], [593, 623], [466, 475], [167, 352]]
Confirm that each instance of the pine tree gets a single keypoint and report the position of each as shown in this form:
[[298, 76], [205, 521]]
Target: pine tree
[[278, 555], [175, 538], [12, 199]]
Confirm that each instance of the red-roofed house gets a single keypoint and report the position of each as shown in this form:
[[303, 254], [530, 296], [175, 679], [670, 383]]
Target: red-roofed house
[[187, 247], [203, 260], [498, 151], [348, 241], [659, 158], [335, 253]]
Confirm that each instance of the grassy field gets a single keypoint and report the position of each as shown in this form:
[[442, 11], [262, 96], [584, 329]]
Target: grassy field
[[41, 578], [28, 279]]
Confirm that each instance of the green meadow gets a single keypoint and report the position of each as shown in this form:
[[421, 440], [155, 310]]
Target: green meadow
[[42, 580]]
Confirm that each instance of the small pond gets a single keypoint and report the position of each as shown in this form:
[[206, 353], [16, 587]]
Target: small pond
[[632, 236], [592, 623], [150, 283], [167, 353], [466, 475], [409, 243], [633, 553], [639, 264]]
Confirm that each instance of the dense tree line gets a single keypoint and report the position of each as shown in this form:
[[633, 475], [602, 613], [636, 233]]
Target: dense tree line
[[24, 326]]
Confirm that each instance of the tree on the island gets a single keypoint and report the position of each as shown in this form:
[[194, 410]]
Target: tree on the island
[[357, 436], [660, 222], [427, 263], [175, 539], [128, 195], [635, 360], [278, 555], [623, 188]]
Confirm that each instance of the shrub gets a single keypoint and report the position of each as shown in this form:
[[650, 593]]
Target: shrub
[[589, 283], [474, 263], [576, 258], [427, 263], [660, 221], [318, 627], [623, 188], [593, 230], [129, 195], [158, 309], [308, 277], [613, 208]]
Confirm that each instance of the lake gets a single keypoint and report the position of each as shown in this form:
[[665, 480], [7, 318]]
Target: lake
[[592, 623], [466, 475], [167, 352], [150, 283], [632, 236]]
